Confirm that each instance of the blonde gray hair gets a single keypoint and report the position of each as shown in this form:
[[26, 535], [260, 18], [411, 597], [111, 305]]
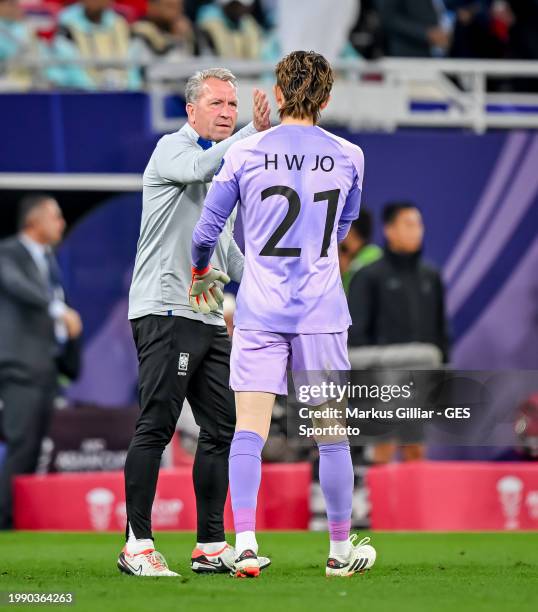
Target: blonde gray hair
[[194, 86]]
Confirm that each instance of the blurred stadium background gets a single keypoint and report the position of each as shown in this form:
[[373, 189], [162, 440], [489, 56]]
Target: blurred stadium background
[[442, 96]]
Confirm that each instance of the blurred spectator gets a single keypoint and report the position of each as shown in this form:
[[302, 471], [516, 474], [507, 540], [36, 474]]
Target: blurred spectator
[[230, 29], [399, 298], [35, 327], [356, 250], [164, 31], [367, 34], [523, 34], [16, 41], [192, 7], [414, 28], [14, 35], [481, 28], [90, 30], [264, 12], [314, 24]]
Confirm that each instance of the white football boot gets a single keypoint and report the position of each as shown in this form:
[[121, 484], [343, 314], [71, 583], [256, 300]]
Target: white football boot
[[247, 565], [146, 563], [361, 558], [220, 562]]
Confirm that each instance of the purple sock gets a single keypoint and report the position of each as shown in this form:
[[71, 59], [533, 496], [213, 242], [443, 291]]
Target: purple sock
[[336, 480], [245, 468]]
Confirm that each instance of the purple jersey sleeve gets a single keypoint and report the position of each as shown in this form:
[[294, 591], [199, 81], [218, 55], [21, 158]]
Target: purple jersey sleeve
[[219, 204], [353, 200]]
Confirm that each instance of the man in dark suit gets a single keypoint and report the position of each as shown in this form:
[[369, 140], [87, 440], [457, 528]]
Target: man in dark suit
[[413, 28], [35, 327]]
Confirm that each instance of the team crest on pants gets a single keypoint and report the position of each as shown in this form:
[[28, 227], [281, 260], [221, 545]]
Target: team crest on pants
[[182, 364]]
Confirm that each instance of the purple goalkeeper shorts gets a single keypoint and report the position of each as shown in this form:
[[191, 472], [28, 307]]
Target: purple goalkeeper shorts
[[260, 359]]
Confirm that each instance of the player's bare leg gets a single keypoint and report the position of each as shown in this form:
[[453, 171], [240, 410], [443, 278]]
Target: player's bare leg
[[253, 411], [253, 421]]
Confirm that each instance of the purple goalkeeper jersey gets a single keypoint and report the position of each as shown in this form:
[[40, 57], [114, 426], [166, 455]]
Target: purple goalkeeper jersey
[[298, 188]]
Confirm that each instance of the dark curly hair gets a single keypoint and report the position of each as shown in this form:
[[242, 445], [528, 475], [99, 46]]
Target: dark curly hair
[[306, 79]]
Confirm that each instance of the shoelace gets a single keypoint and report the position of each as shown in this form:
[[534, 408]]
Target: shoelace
[[157, 560], [362, 542]]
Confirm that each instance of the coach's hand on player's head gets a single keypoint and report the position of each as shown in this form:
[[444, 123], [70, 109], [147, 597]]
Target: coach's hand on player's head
[[205, 295], [261, 111]]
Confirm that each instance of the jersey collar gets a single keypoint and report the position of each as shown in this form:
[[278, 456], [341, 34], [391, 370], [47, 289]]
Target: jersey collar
[[205, 144], [201, 142]]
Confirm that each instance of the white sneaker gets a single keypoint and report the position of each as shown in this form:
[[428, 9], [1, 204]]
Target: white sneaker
[[147, 563], [221, 562], [361, 558]]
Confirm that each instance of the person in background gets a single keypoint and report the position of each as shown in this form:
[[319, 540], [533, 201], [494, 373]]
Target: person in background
[[481, 28], [192, 7], [165, 31], [399, 299], [356, 250], [35, 326], [523, 34], [181, 354], [14, 34], [414, 28], [262, 10], [87, 30], [17, 41], [230, 29], [312, 24], [366, 35]]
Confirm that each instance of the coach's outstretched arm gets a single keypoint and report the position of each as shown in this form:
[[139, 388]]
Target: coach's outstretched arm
[[186, 164]]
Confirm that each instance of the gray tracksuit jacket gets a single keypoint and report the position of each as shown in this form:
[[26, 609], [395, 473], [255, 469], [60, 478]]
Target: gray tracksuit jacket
[[176, 181]]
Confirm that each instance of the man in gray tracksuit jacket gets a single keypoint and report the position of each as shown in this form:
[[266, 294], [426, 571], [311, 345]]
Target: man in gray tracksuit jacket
[[183, 354]]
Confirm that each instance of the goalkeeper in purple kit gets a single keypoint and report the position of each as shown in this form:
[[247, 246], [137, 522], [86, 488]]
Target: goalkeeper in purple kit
[[298, 188]]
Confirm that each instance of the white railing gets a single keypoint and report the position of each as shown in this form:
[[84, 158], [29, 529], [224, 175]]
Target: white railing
[[385, 94], [380, 95], [71, 182]]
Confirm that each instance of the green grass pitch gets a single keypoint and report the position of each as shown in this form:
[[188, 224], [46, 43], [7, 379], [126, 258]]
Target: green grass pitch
[[452, 572]]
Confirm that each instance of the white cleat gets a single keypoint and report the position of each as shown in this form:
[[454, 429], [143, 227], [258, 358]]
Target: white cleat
[[361, 558], [247, 565], [221, 562], [147, 563]]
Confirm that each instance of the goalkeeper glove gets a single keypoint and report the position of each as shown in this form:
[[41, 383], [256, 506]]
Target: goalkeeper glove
[[205, 295]]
